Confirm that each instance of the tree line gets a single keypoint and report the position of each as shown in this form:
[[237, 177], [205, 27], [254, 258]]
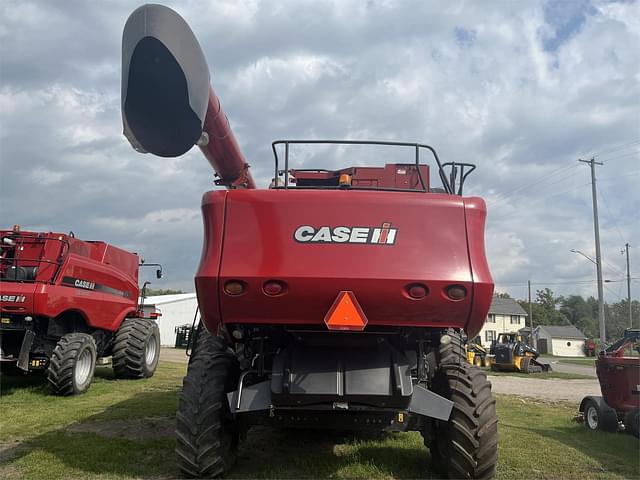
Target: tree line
[[550, 309]]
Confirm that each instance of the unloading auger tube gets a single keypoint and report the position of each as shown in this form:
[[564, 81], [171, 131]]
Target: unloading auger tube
[[168, 104]]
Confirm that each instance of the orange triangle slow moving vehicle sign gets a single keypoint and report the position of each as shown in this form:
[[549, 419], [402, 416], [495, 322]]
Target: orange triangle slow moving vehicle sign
[[345, 313]]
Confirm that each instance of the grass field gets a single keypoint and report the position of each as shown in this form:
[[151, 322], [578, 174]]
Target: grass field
[[123, 429], [584, 361], [544, 375]]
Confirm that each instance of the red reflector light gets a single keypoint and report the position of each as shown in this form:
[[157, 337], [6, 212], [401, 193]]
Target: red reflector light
[[345, 313], [274, 287], [234, 287], [155, 315], [456, 292], [417, 291]]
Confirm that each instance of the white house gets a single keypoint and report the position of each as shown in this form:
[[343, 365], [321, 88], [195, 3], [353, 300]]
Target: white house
[[560, 340], [176, 310], [505, 316]]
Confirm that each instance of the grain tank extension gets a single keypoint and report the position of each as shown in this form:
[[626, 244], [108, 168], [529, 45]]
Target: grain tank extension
[[331, 299]]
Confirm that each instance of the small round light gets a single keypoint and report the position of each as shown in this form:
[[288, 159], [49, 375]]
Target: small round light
[[237, 334], [456, 292], [273, 287], [417, 291], [234, 287], [28, 319]]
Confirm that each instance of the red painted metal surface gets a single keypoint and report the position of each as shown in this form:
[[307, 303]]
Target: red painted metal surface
[[112, 275], [619, 379], [400, 176], [249, 236], [222, 150]]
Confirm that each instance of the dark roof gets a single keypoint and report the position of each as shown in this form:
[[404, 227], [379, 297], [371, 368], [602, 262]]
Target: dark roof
[[506, 306], [563, 331]]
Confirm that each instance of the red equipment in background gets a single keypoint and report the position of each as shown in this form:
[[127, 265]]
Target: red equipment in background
[[65, 302], [333, 299], [618, 369]]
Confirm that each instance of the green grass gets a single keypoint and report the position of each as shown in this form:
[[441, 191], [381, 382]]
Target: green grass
[[543, 375], [123, 430], [584, 361]]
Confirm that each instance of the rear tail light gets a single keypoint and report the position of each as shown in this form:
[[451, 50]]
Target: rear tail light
[[234, 287], [456, 292], [417, 291], [274, 287]]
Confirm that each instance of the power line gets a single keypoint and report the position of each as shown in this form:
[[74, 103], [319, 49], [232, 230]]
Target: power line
[[606, 205], [509, 193], [611, 159], [614, 148]]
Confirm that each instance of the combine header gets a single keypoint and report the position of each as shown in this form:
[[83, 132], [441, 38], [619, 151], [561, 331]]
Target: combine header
[[335, 298]]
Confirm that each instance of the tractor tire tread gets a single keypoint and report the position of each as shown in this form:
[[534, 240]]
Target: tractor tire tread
[[205, 445], [471, 435], [129, 348], [62, 362]]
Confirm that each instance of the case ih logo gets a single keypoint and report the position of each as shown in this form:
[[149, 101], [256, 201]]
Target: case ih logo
[[384, 235], [13, 298]]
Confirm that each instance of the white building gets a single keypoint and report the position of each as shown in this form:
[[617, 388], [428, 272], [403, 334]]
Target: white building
[[176, 310], [560, 340], [505, 316]]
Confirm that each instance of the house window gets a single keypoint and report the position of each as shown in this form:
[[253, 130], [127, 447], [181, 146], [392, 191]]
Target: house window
[[515, 319], [491, 318], [490, 335]]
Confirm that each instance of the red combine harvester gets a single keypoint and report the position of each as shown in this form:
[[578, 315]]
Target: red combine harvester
[[67, 302], [619, 377], [333, 299]]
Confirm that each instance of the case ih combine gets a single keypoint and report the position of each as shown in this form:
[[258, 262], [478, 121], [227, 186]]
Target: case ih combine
[[65, 303], [333, 299]]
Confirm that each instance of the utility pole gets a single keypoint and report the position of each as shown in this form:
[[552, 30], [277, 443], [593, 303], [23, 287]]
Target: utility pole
[[626, 246], [596, 228], [533, 340]]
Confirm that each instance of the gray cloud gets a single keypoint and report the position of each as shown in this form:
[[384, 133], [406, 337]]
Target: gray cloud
[[521, 89]]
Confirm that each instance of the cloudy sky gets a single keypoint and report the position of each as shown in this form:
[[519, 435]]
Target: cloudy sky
[[521, 88]]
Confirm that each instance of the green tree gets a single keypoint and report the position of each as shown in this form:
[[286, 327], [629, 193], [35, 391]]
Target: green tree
[[151, 292], [547, 309], [579, 313], [502, 295]]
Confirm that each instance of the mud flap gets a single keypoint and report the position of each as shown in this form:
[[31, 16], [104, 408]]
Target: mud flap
[[430, 404], [25, 349], [251, 399]]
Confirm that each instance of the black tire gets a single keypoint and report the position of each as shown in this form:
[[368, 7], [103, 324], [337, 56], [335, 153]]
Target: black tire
[[452, 353], [72, 364], [136, 348], [477, 361], [599, 417], [592, 415], [632, 422], [467, 445], [207, 435]]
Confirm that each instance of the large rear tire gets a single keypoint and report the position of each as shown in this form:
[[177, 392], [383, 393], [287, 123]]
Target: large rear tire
[[207, 435], [136, 348], [452, 353], [467, 445], [72, 364]]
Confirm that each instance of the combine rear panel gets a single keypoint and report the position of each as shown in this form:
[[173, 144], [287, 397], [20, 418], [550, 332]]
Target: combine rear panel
[[376, 244]]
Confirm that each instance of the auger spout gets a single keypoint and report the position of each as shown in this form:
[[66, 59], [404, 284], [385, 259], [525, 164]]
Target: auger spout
[[168, 104]]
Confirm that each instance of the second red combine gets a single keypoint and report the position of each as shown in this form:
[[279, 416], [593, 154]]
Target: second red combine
[[334, 298]]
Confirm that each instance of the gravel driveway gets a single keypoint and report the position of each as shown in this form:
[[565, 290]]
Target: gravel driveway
[[553, 389]]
